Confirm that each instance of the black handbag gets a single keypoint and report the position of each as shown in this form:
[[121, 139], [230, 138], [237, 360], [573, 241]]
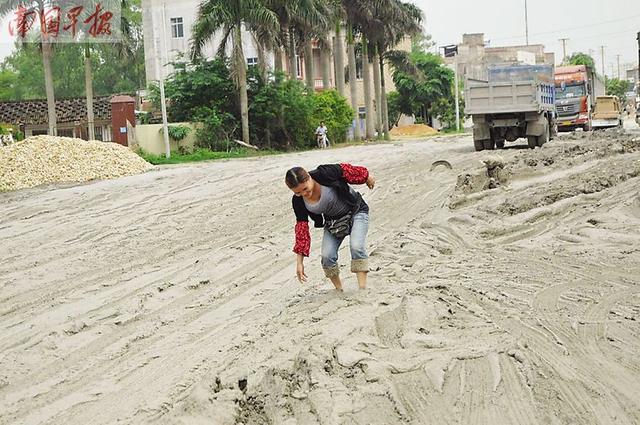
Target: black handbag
[[340, 227]]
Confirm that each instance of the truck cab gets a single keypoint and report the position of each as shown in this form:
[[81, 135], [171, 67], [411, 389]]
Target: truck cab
[[576, 88]]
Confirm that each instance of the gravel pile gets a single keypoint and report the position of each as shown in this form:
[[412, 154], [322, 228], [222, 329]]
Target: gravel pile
[[45, 159]]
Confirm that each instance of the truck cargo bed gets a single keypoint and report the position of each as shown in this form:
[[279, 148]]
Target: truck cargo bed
[[508, 97]]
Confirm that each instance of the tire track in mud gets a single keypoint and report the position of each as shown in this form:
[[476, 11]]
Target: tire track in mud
[[451, 330]]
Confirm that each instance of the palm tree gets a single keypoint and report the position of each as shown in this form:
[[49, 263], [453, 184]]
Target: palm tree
[[124, 50], [366, 81], [337, 15], [6, 8], [376, 89], [351, 56], [399, 20], [229, 16], [359, 19], [300, 22], [325, 58]]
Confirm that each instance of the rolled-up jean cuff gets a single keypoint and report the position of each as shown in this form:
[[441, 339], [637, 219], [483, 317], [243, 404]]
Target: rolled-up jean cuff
[[360, 265], [332, 271]]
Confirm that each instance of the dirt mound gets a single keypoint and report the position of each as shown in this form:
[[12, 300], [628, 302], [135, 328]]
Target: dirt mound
[[493, 175], [413, 130], [44, 159]]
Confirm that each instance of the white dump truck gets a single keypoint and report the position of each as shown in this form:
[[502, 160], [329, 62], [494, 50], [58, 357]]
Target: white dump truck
[[514, 101]]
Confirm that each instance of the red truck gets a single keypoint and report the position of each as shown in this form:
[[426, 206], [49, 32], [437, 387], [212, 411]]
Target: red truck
[[577, 87]]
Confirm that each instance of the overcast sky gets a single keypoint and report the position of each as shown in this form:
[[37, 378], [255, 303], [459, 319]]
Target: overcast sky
[[588, 24]]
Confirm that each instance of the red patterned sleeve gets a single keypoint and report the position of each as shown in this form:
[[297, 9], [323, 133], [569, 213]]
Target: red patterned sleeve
[[354, 174], [303, 238]]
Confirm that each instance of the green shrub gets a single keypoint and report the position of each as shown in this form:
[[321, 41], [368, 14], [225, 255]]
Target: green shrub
[[281, 113], [216, 128], [177, 133], [336, 113]]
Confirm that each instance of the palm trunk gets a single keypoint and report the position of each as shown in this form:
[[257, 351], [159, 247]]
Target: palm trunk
[[308, 65], [351, 55], [48, 83], [325, 54], [366, 81], [242, 81], [262, 61], [88, 83], [376, 86], [383, 96], [338, 54], [293, 63], [278, 59]]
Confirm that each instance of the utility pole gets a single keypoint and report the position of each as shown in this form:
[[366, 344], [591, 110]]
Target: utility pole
[[564, 49], [638, 80], [618, 58], [526, 21], [160, 76], [604, 75]]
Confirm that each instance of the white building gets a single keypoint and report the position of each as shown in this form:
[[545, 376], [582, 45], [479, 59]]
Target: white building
[[167, 34]]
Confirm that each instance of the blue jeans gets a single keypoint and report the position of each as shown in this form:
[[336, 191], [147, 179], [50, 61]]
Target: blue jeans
[[357, 245]]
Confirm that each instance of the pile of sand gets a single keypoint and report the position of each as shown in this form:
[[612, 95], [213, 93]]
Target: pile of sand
[[413, 130], [44, 159]]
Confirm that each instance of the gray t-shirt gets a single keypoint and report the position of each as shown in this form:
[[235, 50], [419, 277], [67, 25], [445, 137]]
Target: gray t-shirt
[[329, 204]]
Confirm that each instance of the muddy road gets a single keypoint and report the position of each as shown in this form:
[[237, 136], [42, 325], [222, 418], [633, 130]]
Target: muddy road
[[504, 291]]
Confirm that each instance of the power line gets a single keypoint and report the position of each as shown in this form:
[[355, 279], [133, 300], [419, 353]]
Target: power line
[[586, 26]]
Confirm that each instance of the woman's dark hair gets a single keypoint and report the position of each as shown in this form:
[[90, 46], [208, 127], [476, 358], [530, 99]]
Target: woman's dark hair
[[295, 176]]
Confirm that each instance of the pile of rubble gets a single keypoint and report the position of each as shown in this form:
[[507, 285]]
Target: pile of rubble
[[45, 159]]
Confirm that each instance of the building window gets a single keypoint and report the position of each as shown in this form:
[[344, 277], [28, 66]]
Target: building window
[[299, 66], [362, 112], [252, 61], [177, 28], [98, 133]]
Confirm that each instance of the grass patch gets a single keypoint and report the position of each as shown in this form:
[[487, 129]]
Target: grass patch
[[452, 131], [201, 155]]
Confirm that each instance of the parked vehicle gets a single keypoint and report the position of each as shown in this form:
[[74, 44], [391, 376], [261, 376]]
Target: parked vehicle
[[608, 112], [577, 88], [514, 101]]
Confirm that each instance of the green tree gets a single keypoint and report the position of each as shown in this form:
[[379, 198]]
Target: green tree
[[579, 58], [281, 113], [10, 87], [395, 110], [397, 20], [432, 86], [333, 109], [192, 86], [112, 73], [229, 16], [45, 52], [616, 87]]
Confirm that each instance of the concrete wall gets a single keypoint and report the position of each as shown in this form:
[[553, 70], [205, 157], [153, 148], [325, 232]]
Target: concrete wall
[[150, 138]]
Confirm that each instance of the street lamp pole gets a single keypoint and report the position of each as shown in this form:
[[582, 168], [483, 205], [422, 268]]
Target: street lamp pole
[[455, 78], [526, 20]]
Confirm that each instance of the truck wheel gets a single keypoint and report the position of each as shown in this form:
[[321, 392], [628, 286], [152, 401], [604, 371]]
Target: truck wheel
[[500, 144], [532, 141], [478, 145], [545, 136], [489, 144]]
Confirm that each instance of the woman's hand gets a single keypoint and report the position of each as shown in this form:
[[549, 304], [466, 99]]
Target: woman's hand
[[302, 277], [371, 181]]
